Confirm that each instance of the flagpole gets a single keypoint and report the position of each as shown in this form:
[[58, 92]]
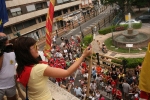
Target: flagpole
[[90, 71]]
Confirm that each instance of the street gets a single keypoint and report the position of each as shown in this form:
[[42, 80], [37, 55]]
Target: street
[[84, 26]]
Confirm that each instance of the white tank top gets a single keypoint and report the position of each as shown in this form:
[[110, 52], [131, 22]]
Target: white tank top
[[8, 71]]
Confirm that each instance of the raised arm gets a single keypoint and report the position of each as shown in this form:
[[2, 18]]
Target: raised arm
[[58, 73]]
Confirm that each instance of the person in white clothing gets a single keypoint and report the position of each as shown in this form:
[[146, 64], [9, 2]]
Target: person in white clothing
[[78, 91], [7, 69]]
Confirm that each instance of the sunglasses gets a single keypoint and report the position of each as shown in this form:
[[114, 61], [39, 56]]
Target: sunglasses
[[35, 46]]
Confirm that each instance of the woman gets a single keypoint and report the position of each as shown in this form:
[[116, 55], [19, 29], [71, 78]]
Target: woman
[[36, 74]]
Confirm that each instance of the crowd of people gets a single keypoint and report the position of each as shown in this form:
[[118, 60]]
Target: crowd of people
[[69, 59], [31, 71], [111, 79], [110, 82]]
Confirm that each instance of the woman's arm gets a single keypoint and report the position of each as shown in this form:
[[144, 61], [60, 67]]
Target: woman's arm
[[59, 73]]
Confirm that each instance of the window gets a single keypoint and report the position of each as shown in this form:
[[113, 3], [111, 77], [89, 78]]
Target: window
[[29, 23], [24, 24], [65, 1], [76, 7], [45, 4], [38, 6], [43, 18], [71, 8], [15, 11], [48, 3], [39, 19], [65, 11], [32, 22], [43, 31], [59, 1], [9, 13], [30, 8], [57, 13], [18, 26], [7, 30]]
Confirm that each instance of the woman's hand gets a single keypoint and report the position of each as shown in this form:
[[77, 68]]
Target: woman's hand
[[87, 51]]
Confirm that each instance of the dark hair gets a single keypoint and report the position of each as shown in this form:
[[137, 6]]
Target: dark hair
[[22, 51]]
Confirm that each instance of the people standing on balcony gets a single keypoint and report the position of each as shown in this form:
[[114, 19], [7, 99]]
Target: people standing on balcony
[[33, 74], [7, 69]]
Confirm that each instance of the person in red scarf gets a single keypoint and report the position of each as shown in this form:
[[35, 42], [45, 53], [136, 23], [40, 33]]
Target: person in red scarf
[[118, 94], [35, 75], [114, 92]]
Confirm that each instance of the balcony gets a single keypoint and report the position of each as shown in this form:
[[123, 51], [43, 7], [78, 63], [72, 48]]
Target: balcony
[[37, 13], [57, 92], [13, 3]]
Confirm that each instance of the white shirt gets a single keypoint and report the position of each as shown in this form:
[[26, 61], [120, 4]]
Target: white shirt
[[8, 71], [78, 91]]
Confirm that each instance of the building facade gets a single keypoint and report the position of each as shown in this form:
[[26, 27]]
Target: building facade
[[28, 17]]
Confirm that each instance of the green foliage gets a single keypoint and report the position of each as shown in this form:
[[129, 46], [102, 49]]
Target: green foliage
[[134, 25], [109, 44], [125, 26], [107, 30], [87, 39], [131, 62], [113, 28], [137, 25]]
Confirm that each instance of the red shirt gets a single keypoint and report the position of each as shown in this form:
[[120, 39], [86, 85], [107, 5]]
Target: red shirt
[[118, 94], [114, 91], [84, 65], [113, 83]]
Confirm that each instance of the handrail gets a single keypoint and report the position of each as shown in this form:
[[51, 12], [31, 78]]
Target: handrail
[[57, 92]]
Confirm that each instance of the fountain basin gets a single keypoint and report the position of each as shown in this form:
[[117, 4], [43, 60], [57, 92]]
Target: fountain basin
[[138, 40]]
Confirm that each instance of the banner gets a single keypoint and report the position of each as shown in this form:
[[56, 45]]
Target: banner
[[3, 14], [49, 24]]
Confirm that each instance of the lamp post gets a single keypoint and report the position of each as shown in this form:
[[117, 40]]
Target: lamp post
[[83, 12], [95, 29], [81, 29], [56, 33], [72, 23]]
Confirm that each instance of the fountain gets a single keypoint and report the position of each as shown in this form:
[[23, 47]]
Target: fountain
[[131, 36]]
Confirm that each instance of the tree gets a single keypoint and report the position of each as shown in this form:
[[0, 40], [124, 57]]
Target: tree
[[141, 3]]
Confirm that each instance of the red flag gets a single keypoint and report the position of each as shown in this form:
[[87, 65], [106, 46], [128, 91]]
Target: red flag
[[49, 24]]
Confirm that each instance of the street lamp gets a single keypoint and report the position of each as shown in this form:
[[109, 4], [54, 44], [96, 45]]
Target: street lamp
[[56, 33], [72, 23], [81, 29], [83, 12], [95, 29]]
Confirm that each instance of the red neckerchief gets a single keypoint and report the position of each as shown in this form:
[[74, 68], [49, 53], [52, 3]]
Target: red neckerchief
[[24, 77]]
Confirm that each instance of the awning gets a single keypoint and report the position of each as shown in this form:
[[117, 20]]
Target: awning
[[59, 18], [68, 19], [91, 6]]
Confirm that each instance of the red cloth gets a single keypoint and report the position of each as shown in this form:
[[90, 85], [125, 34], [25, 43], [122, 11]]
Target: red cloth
[[84, 65], [144, 95], [102, 98], [24, 77], [58, 79], [114, 91], [118, 94], [113, 83], [136, 99]]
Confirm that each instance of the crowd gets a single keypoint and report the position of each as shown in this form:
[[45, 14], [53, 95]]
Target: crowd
[[111, 79], [110, 82], [31, 71]]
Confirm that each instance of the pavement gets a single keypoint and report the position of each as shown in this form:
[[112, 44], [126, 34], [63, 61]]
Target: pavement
[[99, 39], [102, 38]]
